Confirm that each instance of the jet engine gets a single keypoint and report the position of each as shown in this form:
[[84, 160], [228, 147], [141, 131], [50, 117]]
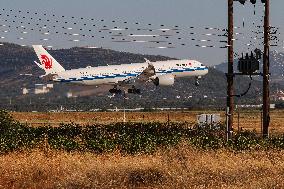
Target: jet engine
[[164, 80]]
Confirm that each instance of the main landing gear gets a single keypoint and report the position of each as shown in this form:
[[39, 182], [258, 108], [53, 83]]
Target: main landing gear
[[133, 90], [115, 91]]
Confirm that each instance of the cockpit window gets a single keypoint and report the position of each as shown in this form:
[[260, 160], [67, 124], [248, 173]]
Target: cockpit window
[[202, 64]]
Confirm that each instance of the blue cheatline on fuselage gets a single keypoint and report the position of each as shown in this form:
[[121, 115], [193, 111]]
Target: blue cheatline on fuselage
[[89, 78]]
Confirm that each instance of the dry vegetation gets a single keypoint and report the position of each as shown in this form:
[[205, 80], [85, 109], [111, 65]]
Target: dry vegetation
[[247, 119], [172, 166], [182, 167], [103, 117]]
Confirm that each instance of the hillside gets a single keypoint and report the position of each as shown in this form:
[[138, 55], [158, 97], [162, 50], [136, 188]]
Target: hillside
[[16, 60]]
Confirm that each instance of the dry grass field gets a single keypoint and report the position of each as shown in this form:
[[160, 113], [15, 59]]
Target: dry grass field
[[182, 167], [245, 119]]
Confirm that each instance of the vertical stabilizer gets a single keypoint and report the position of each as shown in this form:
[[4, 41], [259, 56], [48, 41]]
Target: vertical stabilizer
[[47, 62]]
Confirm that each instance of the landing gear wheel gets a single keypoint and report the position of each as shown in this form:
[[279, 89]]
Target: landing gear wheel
[[134, 91], [115, 91], [197, 81]]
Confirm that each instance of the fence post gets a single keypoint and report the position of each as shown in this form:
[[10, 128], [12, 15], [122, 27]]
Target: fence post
[[261, 123], [238, 121], [227, 123]]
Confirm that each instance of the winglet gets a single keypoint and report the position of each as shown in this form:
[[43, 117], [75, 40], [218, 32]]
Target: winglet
[[147, 61]]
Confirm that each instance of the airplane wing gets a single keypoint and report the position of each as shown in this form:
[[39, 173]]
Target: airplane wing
[[144, 77], [147, 73]]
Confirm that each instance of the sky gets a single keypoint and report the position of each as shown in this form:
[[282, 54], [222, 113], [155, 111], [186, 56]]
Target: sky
[[191, 16]]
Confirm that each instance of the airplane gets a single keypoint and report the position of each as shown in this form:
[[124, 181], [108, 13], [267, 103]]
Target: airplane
[[160, 73]]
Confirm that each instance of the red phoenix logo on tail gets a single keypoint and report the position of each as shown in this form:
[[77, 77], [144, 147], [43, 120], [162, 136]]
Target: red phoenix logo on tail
[[46, 61]]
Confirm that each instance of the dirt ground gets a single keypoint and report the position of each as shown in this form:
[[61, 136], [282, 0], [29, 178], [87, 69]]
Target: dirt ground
[[243, 119]]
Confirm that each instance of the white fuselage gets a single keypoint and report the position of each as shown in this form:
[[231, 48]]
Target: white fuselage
[[113, 74]]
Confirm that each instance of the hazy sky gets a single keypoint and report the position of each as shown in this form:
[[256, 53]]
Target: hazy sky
[[183, 13]]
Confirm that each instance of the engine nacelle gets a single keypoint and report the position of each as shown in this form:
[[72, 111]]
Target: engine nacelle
[[164, 80]]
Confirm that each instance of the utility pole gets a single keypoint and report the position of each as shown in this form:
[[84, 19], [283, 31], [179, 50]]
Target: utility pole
[[265, 74], [230, 74], [266, 98]]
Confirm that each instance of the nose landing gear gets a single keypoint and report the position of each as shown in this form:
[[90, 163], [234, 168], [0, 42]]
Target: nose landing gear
[[197, 81]]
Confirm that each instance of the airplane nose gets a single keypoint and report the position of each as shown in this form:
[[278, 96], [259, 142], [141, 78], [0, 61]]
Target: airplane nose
[[206, 70]]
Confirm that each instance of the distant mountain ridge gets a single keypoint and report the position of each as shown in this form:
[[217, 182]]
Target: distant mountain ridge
[[16, 61]]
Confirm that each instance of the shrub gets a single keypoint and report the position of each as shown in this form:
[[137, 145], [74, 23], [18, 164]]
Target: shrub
[[128, 138], [15, 136]]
